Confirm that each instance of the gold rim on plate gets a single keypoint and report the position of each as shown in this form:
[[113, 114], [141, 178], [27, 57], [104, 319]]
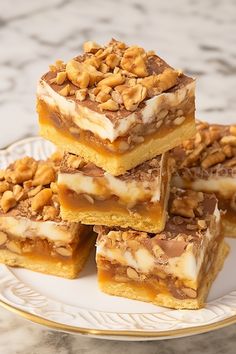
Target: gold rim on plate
[[103, 332]]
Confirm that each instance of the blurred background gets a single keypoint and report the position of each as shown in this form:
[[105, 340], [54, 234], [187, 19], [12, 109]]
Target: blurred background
[[196, 36]]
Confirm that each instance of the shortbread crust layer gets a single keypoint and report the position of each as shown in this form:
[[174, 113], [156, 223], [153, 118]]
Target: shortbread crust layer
[[170, 268], [137, 199]]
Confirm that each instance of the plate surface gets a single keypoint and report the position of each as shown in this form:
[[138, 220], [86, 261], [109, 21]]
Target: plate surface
[[78, 306]]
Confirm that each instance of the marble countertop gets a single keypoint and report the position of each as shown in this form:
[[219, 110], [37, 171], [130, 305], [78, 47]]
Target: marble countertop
[[196, 36]]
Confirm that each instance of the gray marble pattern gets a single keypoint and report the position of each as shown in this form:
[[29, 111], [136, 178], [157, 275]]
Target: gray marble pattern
[[196, 36]]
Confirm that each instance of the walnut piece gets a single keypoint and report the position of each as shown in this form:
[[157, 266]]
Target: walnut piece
[[132, 96], [109, 105], [112, 80], [184, 206], [45, 174], [41, 199], [8, 201], [213, 159], [134, 61], [91, 47]]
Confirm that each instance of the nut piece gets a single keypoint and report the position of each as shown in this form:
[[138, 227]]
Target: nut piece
[[34, 191], [213, 159], [229, 139], [112, 60], [18, 192], [4, 186], [184, 207], [109, 105], [50, 213], [134, 61], [75, 161], [202, 224], [65, 91], [81, 94], [61, 77], [2, 175], [22, 170], [45, 174], [179, 120], [76, 75], [232, 130], [132, 96], [65, 252], [112, 80], [132, 274], [91, 47], [41, 199], [8, 201], [3, 238], [190, 292], [156, 84], [14, 246]]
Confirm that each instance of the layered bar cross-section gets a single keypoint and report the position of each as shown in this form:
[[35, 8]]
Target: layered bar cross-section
[[136, 199], [116, 106], [174, 268], [32, 233]]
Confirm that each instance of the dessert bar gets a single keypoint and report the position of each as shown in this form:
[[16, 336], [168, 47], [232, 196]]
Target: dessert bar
[[207, 163], [32, 233], [174, 268], [136, 199], [116, 106]]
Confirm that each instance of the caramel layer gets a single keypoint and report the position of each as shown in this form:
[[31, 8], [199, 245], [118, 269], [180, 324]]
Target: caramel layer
[[77, 202], [41, 249], [49, 117], [160, 283]]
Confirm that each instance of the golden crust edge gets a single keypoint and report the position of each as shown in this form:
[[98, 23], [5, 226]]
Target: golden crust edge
[[124, 290], [120, 164], [59, 269], [110, 219]]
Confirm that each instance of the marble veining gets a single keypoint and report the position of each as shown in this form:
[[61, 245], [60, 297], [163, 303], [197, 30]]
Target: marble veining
[[196, 36]]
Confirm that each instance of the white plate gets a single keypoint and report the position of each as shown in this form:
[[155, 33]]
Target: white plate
[[78, 306]]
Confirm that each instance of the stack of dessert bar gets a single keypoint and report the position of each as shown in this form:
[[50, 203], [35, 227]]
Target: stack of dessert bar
[[125, 121], [32, 233], [117, 111]]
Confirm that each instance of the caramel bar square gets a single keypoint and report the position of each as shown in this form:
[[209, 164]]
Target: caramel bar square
[[174, 268], [116, 106], [136, 199], [207, 163], [32, 233]]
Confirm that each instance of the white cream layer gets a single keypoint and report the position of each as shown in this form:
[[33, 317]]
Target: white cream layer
[[186, 266], [129, 192], [98, 123], [225, 186], [23, 227]]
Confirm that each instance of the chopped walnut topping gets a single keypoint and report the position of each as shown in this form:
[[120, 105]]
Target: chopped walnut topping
[[41, 199], [186, 205], [61, 77], [214, 146], [156, 84], [114, 65], [91, 47], [213, 159], [132, 96], [134, 60], [109, 105], [65, 91], [45, 174], [8, 201], [29, 182], [81, 94]]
